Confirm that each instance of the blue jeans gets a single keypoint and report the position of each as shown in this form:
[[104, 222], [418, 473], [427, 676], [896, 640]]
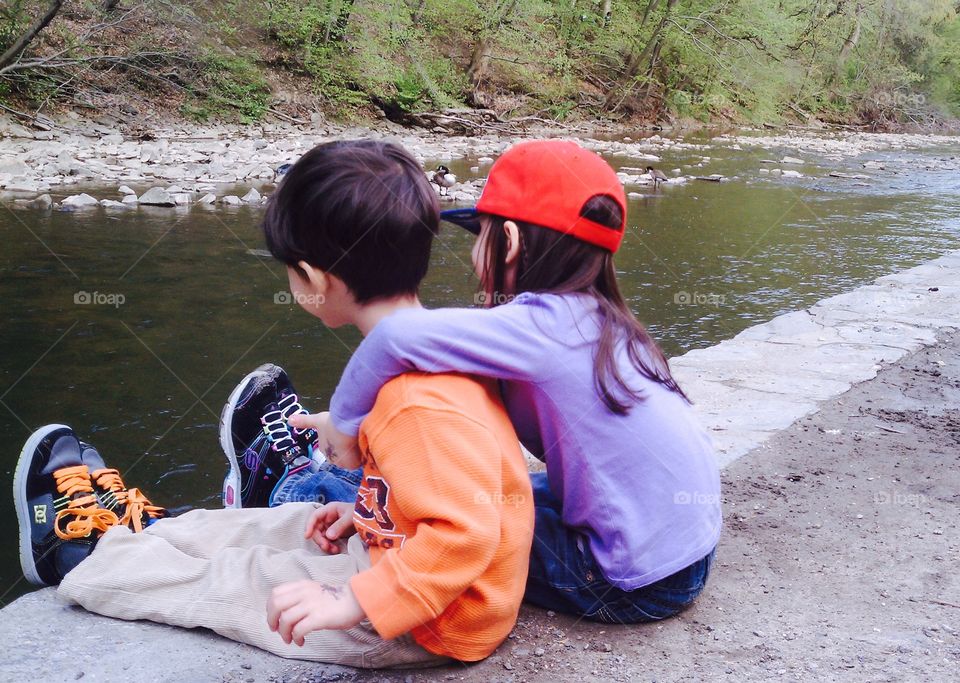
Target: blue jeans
[[564, 575], [329, 484]]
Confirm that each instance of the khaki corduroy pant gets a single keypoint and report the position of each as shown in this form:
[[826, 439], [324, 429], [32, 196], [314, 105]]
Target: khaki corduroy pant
[[216, 568]]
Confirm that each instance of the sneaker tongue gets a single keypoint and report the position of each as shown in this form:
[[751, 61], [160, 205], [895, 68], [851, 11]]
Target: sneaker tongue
[[92, 458], [65, 452]]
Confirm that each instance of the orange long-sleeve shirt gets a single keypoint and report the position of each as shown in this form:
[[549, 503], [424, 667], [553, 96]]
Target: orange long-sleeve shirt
[[446, 509]]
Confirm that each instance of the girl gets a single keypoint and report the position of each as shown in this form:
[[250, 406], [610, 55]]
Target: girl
[[628, 512]]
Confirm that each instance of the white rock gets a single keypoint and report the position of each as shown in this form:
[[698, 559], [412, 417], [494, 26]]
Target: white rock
[[123, 189], [19, 185], [252, 197], [42, 202], [175, 189], [791, 160], [157, 196], [130, 200], [634, 195], [207, 199], [792, 174], [80, 201], [182, 198], [14, 167], [111, 204], [231, 200], [485, 160]]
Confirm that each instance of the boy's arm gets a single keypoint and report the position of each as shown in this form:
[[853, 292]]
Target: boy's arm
[[503, 343], [441, 469]]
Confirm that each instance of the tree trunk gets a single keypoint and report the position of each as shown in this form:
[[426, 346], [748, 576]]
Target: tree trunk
[[479, 60], [607, 12], [637, 59], [110, 5], [483, 49], [11, 55], [852, 39]]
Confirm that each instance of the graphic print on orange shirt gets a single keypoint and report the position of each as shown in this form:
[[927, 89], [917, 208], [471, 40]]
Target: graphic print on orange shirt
[[371, 516]]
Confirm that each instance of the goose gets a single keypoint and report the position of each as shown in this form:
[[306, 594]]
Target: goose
[[443, 179], [657, 175]]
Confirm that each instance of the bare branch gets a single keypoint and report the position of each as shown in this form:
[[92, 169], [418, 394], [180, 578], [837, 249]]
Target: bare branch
[[21, 44]]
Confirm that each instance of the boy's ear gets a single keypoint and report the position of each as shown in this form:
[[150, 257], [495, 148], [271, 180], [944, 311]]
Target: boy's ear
[[316, 279], [513, 242]]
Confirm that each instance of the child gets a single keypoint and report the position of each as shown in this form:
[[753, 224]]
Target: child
[[444, 511], [628, 512]]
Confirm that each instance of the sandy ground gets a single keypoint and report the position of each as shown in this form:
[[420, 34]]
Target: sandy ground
[[839, 561]]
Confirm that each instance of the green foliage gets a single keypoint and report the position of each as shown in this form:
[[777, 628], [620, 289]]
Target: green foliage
[[234, 88], [739, 60]]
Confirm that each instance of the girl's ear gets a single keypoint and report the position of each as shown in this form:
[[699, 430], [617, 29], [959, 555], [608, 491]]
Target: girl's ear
[[513, 242], [317, 280]]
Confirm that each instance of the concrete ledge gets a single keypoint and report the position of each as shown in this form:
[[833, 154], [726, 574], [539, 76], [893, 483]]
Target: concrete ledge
[[770, 375], [47, 640]]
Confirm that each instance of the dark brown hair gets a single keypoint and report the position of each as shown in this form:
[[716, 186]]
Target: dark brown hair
[[361, 210], [552, 262]]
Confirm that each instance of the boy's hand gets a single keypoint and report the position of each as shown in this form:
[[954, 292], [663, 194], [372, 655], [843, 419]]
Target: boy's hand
[[340, 449], [295, 609], [328, 523]]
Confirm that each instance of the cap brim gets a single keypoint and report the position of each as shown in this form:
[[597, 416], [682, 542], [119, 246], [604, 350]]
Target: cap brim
[[468, 219]]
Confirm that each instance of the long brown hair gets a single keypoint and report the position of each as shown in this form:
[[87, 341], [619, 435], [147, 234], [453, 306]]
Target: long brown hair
[[552, 262]]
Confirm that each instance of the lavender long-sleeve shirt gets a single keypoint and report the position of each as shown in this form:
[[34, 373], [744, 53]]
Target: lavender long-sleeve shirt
[[643, 488]]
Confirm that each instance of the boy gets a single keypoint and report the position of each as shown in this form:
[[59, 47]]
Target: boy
[[444, 511]]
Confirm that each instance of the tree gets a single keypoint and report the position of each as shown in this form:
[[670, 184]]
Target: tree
[[21, 44]]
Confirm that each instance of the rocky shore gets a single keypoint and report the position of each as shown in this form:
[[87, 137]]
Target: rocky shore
[[42, 169]]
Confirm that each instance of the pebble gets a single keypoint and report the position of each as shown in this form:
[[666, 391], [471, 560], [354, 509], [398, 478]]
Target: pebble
[[231, 200], [78, 201], [157, 196]]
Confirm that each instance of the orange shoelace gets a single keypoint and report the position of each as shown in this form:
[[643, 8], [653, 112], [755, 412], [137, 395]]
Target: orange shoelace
[[136, 504], [86, 515]]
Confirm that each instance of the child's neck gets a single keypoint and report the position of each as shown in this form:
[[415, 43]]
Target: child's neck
[[368, 315]]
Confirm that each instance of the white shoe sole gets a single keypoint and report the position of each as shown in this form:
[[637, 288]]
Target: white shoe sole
[[232, 481], [27, 563]]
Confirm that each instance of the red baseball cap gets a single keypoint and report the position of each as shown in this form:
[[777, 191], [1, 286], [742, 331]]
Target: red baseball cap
[[547, 183]]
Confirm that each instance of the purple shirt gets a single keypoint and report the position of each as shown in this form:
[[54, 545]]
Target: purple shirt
[[644, 488]]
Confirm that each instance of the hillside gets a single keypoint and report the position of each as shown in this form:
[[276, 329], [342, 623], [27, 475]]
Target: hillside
[[879, 64]]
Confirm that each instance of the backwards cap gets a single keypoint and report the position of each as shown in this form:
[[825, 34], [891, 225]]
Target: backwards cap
[[547, 183]]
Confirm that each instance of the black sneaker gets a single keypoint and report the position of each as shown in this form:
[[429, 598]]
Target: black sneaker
[[261, 447], [59, 515]]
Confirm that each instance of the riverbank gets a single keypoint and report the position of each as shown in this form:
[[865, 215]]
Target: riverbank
[[839, 560], [199, 162]]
